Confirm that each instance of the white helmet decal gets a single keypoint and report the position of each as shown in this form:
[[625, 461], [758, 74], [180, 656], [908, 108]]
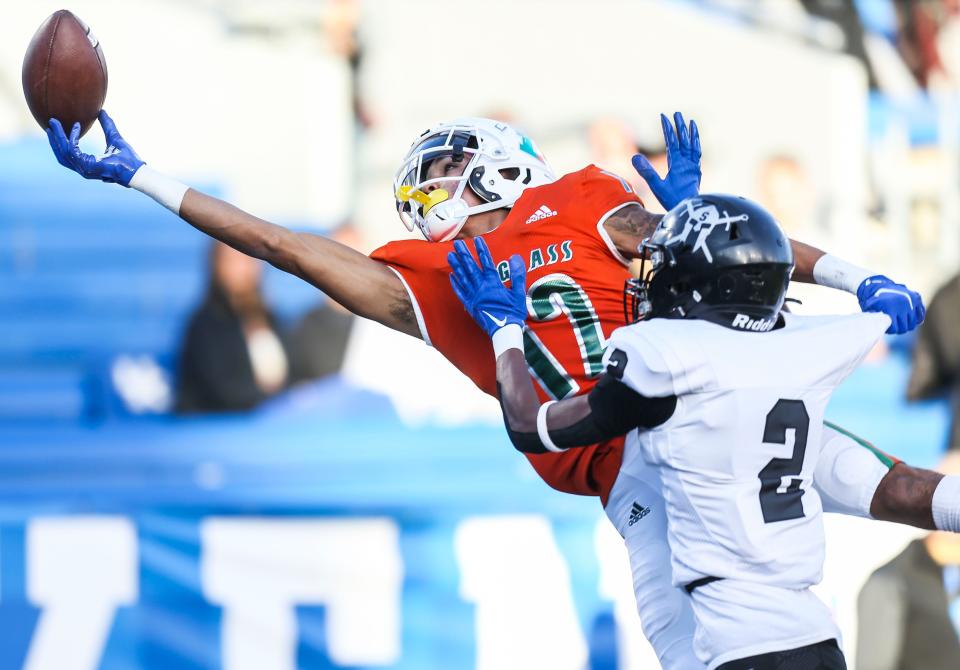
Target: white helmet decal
[[500, 164], [702, 219]]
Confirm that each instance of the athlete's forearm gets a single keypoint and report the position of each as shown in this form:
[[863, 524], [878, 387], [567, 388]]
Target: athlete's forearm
[[518, 399], [905, 495], [814, 266], [610, 409], [874, 292], [805, 257], [527, 421], [628, 227], [240, 230]]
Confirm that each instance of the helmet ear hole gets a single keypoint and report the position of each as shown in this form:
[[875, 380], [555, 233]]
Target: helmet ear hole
[[734, 232], [510, 173], [726, 285]]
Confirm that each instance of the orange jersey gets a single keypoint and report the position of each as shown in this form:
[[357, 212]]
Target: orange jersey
[[575, 281]]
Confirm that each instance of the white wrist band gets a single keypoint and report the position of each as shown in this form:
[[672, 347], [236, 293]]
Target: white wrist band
[[542, 428], [837, 273], [506, 338], [946, 504], [165, 190]]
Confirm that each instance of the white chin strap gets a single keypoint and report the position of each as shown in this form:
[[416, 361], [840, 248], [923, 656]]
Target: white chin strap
[[445, 220]]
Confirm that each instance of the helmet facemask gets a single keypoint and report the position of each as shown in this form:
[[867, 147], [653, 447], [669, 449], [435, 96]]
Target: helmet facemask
[[636, 290]]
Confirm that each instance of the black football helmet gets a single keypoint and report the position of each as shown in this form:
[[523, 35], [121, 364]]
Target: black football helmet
[[716, 257]]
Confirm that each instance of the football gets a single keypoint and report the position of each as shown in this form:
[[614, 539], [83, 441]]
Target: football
[[64, 73]]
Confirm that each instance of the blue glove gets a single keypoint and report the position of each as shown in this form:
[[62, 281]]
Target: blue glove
[[683, 161], [489, 302], [117, 165], [903, 306]]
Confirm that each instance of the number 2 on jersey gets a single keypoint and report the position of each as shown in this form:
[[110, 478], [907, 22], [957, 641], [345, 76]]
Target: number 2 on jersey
[[784, 505], [549, 298]]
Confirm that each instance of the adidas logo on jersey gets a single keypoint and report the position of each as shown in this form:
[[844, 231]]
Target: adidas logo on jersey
[[744, 322], [543, 213], [637, 512]]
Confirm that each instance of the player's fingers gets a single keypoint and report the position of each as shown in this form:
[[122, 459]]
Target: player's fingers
[[56, 149], [61, 145], [458, 290], [56, 127], [54, 133], [75, 134], [669, 137], [914, 317], [896, 324], [457, 265], [467, 264], [518, 278], [682, 133], [59, 137], [695, 151], [902, 324], [483, 253], [109, 128], [646, 170]]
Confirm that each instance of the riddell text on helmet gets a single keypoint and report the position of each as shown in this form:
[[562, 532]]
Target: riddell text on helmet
[[744, 322]]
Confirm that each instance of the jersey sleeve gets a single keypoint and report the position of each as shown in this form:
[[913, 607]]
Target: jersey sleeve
[[606, 193], [417, 266], [641, 356], [849, 470], [444, 323], [861, 332]]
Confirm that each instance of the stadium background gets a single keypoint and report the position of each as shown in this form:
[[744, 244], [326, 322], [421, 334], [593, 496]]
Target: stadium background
[[380, 519]]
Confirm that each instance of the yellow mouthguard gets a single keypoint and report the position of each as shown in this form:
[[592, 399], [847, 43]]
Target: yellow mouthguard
[[426, 200]]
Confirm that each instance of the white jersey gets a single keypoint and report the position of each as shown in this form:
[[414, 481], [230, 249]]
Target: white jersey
[[736, 461]]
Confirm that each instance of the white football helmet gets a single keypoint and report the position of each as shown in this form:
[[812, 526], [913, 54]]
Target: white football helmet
[[501, 163]]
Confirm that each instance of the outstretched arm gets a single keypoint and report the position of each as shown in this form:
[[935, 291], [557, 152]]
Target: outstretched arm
[[628, 227], [364, 286], [855, 478]]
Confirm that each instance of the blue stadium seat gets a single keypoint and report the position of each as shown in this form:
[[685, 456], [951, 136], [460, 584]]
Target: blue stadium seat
[[88, 272]]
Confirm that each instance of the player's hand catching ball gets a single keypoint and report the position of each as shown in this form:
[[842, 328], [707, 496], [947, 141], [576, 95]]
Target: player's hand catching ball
[[903, 306], [489, 302], [118, 163], [683, 160]]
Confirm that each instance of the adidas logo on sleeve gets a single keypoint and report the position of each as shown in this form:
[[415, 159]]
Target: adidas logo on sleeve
[[543, 213], [637, 512]]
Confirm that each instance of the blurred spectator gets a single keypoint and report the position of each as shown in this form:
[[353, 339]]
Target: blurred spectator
[[920, 22], [785, 188], [909, 609], [844, 14], [613, 145], [233, 355], [936, 356], [341, 19]]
